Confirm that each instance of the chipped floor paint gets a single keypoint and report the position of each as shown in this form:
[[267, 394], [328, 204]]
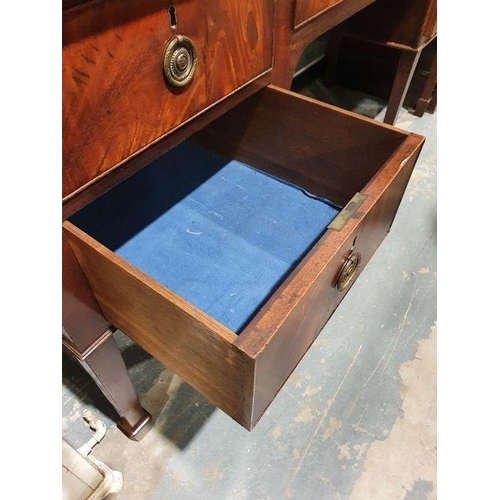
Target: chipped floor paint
[[356, 420], [392, 471]]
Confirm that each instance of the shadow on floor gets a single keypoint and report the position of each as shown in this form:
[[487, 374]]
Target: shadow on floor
[[311, 84], [363, 81], [79, 386], [178, 410]]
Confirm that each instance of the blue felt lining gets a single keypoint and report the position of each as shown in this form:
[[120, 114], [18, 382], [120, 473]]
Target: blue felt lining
[[217, 232]]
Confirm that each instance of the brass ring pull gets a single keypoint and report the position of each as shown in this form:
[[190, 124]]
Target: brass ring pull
[[348, 271], [179, 61]]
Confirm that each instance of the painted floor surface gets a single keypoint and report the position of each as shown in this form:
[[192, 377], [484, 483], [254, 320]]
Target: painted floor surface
[[356, 420]]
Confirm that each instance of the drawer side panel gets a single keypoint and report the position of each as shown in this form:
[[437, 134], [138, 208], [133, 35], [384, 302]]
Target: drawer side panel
[[187, 341]]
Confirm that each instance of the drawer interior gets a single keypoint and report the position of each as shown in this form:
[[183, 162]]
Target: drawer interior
[[217, 232], [221, 220], [329, 152]]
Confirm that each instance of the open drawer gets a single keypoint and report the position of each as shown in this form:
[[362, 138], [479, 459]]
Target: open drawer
[[225, 257]]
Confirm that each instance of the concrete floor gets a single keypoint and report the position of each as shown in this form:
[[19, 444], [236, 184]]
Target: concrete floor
[[356, 420]]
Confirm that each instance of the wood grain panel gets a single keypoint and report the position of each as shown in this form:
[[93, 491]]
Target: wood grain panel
[[115, 99], [66, 4], [306, 10], [189, 342], [282, 332], [115, 175]]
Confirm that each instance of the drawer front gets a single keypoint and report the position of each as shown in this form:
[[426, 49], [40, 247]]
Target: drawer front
[[116, 100], [305, 10], [241, 374], [308, 298]]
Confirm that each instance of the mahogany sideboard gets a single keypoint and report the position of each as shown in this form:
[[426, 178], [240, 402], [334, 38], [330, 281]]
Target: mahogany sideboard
[[404, 26], [140, 80]]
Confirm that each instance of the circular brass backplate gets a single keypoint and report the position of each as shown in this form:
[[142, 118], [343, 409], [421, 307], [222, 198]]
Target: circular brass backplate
[[348, 271], [179, 61]]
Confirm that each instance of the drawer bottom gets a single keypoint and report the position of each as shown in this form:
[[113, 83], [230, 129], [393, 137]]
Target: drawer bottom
[[218, 233]]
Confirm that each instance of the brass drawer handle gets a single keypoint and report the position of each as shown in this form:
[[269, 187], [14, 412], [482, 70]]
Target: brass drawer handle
[[348, 271], [179, 61]]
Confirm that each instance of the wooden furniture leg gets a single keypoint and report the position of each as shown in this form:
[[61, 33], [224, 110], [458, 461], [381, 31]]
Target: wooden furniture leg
[[332, 55], [88, 336], [406, 67], [290, 42], [105, 365], [430, 82]]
